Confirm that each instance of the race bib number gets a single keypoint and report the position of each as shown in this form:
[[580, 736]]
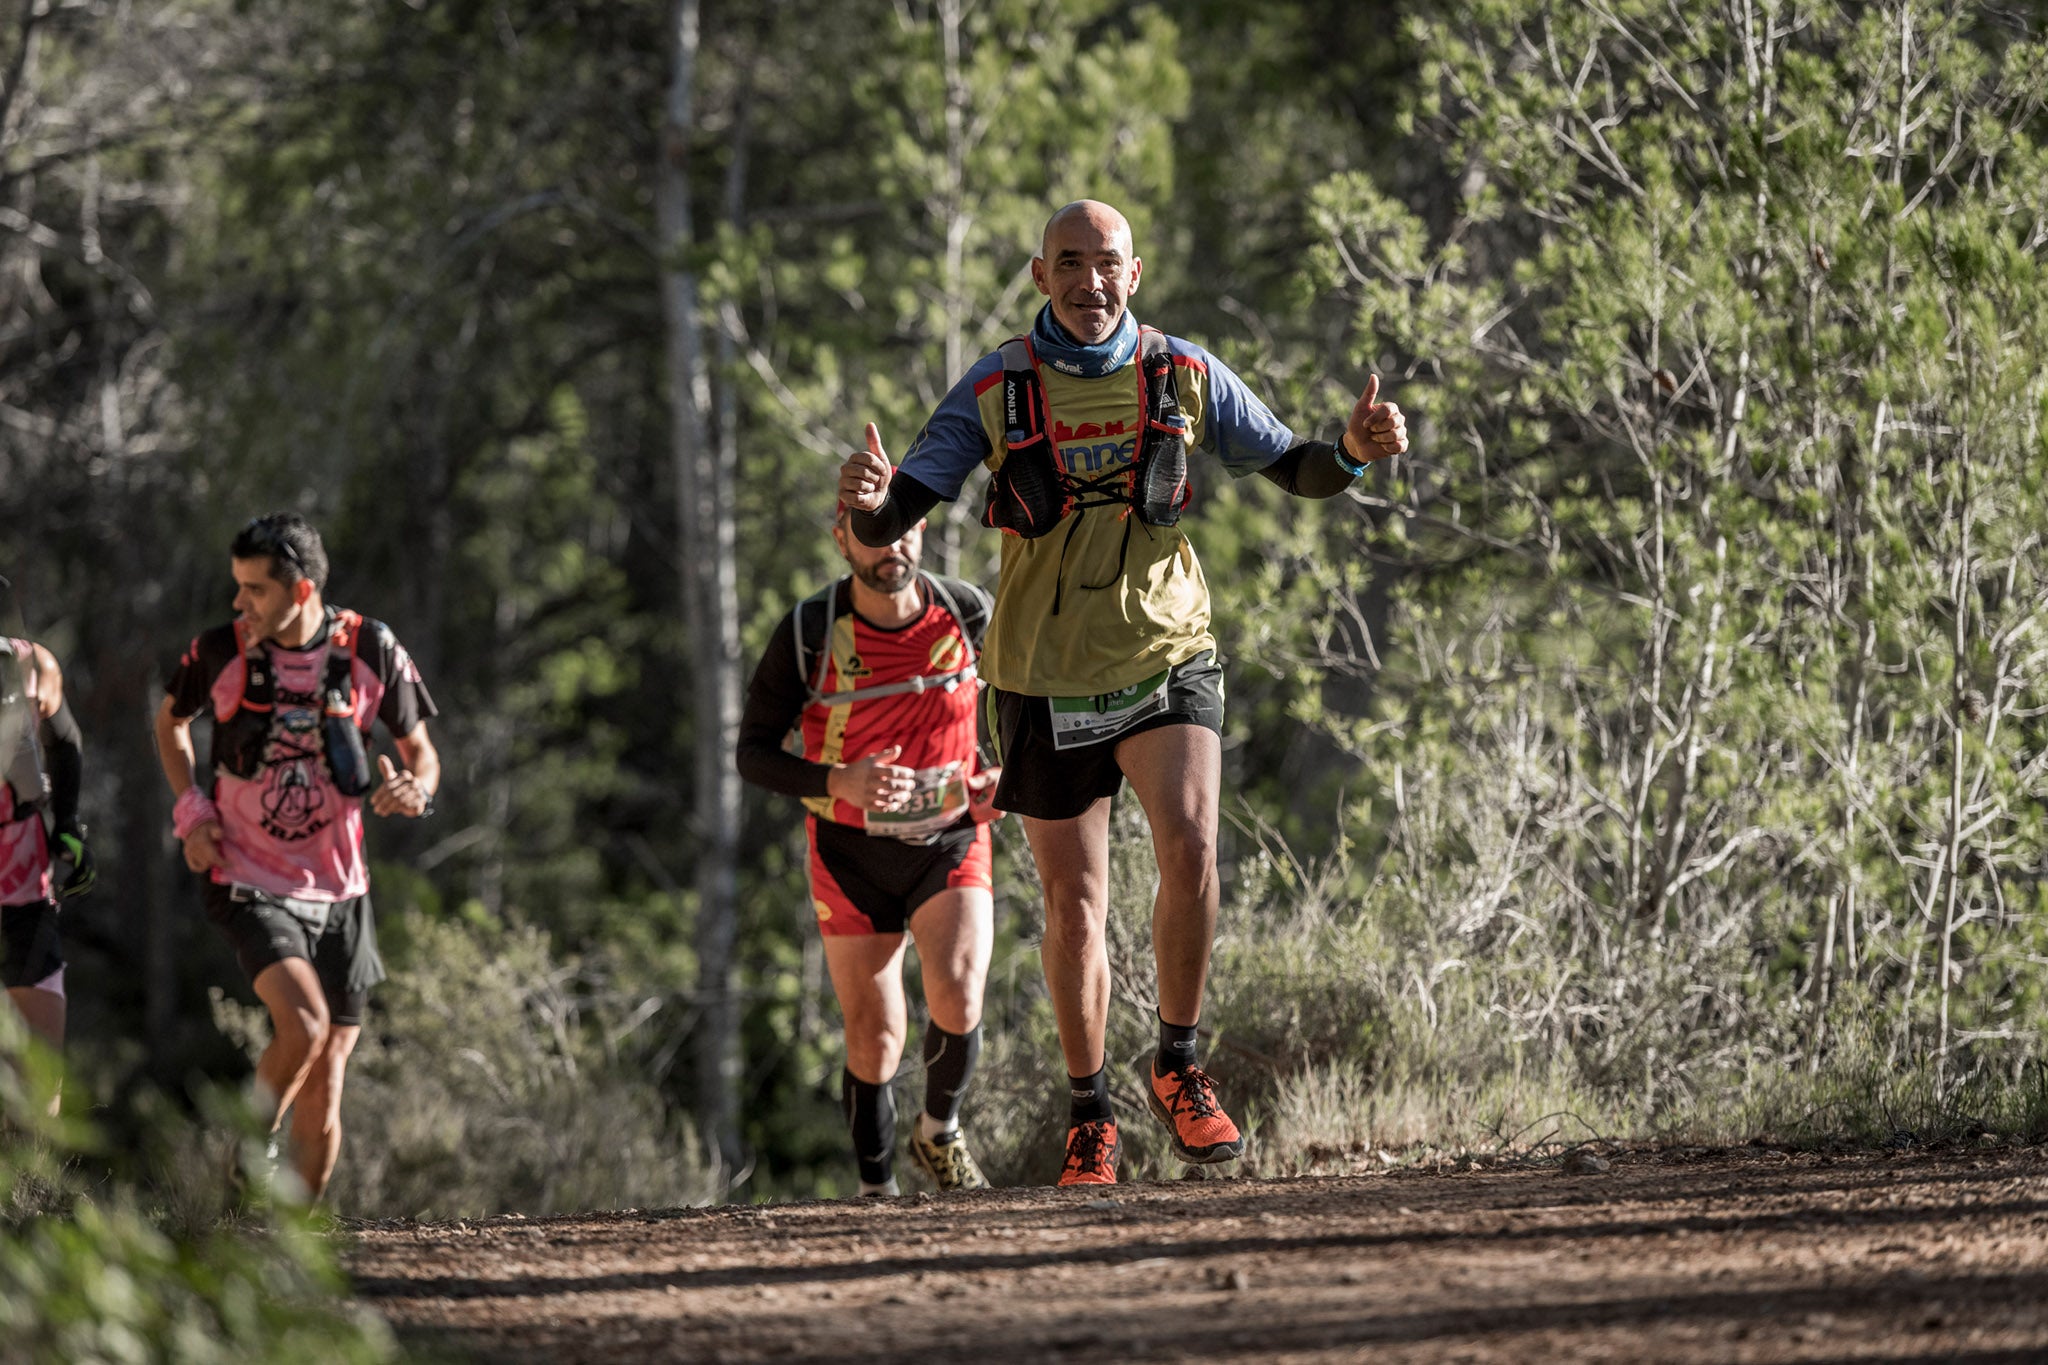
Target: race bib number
[[1078, 721], [937, 804]]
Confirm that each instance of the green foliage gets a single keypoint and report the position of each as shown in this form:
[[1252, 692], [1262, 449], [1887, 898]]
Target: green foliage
[[1714, 591], [92, 1273]]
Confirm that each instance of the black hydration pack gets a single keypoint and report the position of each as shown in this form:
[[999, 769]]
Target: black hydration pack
[[241, 737], [1030, 493]]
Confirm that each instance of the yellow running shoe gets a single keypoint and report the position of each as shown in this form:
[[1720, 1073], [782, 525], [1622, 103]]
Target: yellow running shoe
[[947, 1161]]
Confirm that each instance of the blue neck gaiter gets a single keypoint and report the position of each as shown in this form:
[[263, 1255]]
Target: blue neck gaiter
[[1055, 346]]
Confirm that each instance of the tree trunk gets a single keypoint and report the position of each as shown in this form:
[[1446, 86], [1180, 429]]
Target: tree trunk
[[703, 485]]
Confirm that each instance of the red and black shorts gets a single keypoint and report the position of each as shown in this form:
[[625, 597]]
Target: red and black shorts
[[1048, 778], [865, 883], [264, 930]]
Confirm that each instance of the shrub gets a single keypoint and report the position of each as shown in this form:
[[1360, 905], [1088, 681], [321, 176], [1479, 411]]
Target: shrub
[[95, 1272]]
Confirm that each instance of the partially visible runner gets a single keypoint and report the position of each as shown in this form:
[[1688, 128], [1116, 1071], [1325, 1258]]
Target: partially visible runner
[[872, 683], [1100, 660], [293, 687], [43, 757]]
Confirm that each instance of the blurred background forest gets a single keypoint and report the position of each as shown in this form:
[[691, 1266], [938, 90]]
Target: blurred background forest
[[1656, 750]]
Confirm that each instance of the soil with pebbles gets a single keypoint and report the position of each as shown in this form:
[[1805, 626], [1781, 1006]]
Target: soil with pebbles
[[1669, 1255]]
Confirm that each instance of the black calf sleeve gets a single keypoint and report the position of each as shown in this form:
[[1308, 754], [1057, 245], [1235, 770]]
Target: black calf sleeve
[[949, 1061], [871, 1118]]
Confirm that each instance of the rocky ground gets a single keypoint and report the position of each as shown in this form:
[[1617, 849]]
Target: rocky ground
[[1687, 1255]]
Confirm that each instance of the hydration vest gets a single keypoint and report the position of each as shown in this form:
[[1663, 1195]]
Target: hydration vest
[[23, 768], [1030, 493], [240, 736], [813, 674]]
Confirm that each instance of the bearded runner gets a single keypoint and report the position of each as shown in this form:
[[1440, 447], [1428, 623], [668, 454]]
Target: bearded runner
[[863, 707]]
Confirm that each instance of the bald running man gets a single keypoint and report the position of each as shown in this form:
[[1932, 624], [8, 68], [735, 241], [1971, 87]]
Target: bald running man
[[1100, 662]]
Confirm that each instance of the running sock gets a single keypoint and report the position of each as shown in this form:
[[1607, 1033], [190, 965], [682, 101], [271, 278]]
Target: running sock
[[949, 1061], [871, 1118], [1090, 1096], [1176, 1048]]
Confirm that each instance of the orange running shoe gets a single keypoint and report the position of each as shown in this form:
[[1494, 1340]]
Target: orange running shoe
[[1092, 1150], [1185, 1101]]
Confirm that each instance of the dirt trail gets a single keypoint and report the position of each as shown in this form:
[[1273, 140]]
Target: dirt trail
[[1749, 1255]]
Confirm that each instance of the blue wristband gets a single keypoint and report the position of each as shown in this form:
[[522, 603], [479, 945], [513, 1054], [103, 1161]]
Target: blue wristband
[[1343, 460]]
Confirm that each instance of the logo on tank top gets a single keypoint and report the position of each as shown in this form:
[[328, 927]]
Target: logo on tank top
[[948, 653], [824, 910], [294, 786]]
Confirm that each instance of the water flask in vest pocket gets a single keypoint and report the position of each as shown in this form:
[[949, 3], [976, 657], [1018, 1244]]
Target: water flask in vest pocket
[[347, 756], [1163, 472]]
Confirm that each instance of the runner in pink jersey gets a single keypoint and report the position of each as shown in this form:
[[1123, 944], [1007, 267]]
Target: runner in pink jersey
[[41, 763], [293, 687]]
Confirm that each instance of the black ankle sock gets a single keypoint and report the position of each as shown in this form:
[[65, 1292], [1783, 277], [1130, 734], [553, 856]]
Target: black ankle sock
[[949, 1060], [1176, 1048], [1090, 1096], [871, 1118]]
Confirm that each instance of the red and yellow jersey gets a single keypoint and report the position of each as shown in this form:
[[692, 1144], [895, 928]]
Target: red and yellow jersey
[[843, 688]]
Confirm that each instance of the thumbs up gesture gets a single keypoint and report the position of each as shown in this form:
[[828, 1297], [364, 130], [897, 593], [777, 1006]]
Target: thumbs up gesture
[[400, 793], [1376, 430], [864, 478]]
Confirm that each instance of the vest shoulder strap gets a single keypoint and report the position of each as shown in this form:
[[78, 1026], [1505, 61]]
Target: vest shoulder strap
[[344, 631], [1162, 384], [1025, 420], [812, 651], [259, 686]]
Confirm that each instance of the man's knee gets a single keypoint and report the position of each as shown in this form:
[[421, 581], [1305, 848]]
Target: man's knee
[[1185, 849], [874, 1039], [327, 1064], [954, 1002], [1188, 871], [1075, 925], [302, 1032], [873, 1056]]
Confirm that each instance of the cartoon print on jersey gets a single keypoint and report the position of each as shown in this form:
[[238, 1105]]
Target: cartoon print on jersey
[[295, 778]]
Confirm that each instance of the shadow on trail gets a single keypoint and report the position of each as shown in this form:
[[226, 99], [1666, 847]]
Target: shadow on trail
[[1235, 1328], [1802, 1221]]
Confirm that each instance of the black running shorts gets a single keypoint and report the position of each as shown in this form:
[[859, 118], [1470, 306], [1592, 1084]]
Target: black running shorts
[[1059, 754], [30, 951], [865, 883], [263, 932]]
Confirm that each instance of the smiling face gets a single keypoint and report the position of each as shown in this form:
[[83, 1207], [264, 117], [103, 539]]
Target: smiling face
[[1087, 268], [268, 609]]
